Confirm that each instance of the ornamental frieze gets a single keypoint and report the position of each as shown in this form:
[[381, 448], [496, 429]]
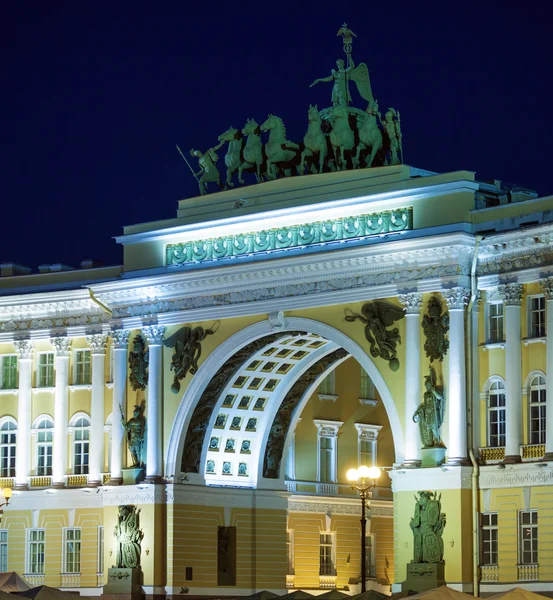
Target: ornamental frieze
[[435, 324], [297, 236]]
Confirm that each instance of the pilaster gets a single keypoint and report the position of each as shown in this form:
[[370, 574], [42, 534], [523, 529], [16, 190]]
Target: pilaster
[[97, 343], [547, 286], [154, 465], [120, 338], [512, 298], [413, 304], [24, 349], [61, 402], [457, 299], [475, 373]]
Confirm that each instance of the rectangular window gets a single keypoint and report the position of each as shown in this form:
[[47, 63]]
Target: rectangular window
[[326, 553], [8, 439], [46, 369], [528, 537], [8, 373], [82, 367], [328, 384], [290, 548], [366, 390], [366, 452], [488, 533], [325, 450], [3, 551], [44, 452], [495, 312], [536, 316], [35, 551], [100, 550], [370, 556], [72, 550]]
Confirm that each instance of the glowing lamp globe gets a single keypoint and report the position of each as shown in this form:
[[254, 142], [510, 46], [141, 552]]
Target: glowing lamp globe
[[7, 494], [363, 472], [374, 472], [352, 475]]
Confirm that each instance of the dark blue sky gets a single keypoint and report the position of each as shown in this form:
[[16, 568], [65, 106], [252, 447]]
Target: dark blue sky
[[95, 96]]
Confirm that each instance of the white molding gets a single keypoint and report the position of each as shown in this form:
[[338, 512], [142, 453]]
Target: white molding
[[198, 495], [329, 397], [339, 506], [525, 474], [434, 478], [368, 402]]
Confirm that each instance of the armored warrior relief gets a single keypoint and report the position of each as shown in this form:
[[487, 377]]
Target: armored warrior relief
[[129, 537], [138, 364], [135, 432], [430, 413], [428, 526]]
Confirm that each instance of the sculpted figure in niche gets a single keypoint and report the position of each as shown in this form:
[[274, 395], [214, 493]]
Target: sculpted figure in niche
[[129, 536], [430, 413], [428, 526], [135, 432]]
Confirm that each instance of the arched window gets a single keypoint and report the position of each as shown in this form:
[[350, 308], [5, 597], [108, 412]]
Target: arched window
[[8, 438], [537, 410], [496, 414], [81, 436], [45, 433]]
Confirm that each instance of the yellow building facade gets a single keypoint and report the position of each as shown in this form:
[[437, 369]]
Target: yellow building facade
[[246, 454]]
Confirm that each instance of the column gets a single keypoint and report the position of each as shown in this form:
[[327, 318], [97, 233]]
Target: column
[[547, 285], [475, 373], [413, 305], [24, 349], [61, 403], [154, 462], [512, 298], [120, 339], [456, 299], [97, 345]]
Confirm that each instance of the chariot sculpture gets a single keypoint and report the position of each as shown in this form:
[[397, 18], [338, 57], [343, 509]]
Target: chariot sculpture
[[338, 138]]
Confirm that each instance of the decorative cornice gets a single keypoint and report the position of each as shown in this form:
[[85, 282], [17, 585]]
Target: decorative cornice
[[367, 432], [379, 508], [97, 343], [511, 293], [328, 428], [432, 478], [456, 298], [537, 474], [547, 287], [24, 348], [412, 302], [154, 334], [61, 345], [120, 338]]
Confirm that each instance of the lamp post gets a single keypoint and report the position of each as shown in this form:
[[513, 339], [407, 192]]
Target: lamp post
[[6, 494], [363, 480]]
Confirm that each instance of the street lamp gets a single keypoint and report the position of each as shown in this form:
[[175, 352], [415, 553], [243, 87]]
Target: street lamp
[[363, 480], [6, 494]]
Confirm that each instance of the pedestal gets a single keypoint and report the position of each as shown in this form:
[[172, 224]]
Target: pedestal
[[432, 457], [133, 475], [422, 577], [124, 584]]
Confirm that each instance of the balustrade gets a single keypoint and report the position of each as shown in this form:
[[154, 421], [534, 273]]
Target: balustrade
[[528, 572], [489, 573]]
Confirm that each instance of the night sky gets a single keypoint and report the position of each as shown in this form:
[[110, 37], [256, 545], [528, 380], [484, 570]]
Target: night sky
[[95, 95]]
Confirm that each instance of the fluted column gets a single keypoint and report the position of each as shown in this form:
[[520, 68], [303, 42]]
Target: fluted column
[[61, 402], [475, 373], [512, 298], [413, 305], [120, 339], [24, 349], [97, 345], [154, 459], [547, 285], [457, 299]]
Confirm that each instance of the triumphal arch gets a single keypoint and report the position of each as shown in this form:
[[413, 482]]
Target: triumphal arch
[[319, 305]]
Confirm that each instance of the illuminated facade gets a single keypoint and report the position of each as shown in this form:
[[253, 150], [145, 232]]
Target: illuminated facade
[[287, 395]]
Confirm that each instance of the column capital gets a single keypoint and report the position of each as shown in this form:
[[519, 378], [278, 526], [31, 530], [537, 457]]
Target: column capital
[[154, 334], [511, 293], [120, 338], [547, 286], [456, 298], [24, 348], [61, 345], [97, 342], [412, 302]]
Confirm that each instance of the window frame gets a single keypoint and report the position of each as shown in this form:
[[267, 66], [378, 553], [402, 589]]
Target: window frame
[[74, 429], [494, 538], [39, 367], [77, 541], [541, 332], [100, 556], [492, 333], [499, 410], [11, 446], [370, 556], [4, 550], [290, 553], [521, 540], [2, 367], [45, 470], [328, 430], [541, 389], [28, 544], [323, 568], [77, 379], [367, 433]]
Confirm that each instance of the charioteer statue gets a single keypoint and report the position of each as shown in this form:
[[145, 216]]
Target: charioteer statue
[[339, 137]]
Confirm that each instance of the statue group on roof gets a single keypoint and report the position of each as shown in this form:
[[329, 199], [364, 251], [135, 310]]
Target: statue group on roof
[[338, 138]]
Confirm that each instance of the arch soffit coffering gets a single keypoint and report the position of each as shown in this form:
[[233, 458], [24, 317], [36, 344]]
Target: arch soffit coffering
[[229, 347]]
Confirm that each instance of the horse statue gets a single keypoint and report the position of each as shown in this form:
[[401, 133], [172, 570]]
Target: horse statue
[[341, 137], [314, 140], [370, 136], [233, 157], [278, 149], [253, 150]]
